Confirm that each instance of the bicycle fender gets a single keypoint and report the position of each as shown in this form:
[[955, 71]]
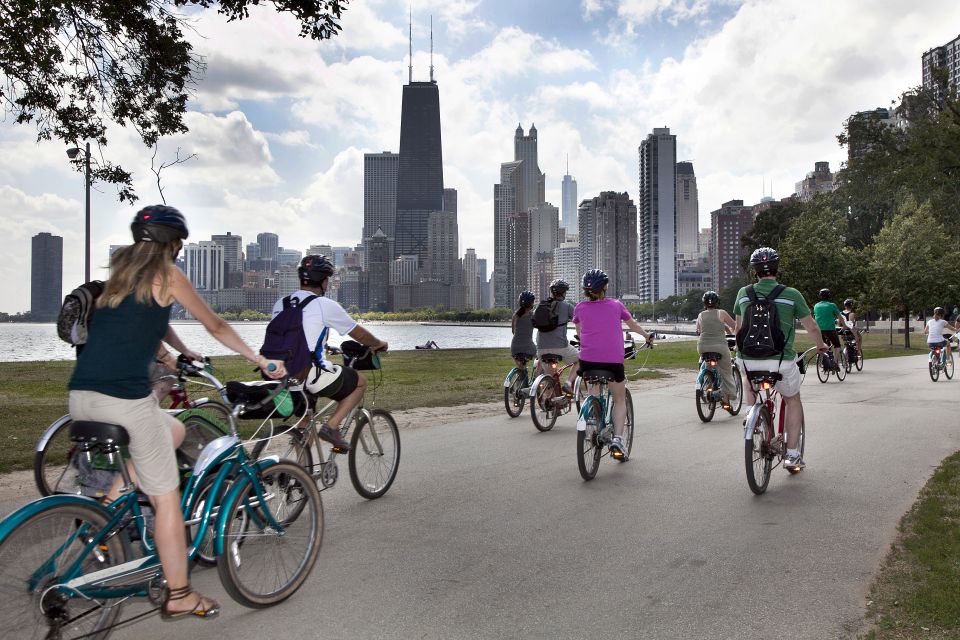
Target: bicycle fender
[[15, 519], [509, 378], [234, 494], [52, 429], [750, 423], [535, 383], [584, 412]]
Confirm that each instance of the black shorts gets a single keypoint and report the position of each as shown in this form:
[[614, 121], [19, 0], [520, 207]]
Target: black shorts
[[344, 386], [613, 367], [830, 337]]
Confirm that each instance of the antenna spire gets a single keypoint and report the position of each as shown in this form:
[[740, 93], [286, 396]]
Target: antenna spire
[[410, 26], [568, 164], [431, 48]]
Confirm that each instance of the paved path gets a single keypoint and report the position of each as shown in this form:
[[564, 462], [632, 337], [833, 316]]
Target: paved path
[[489, 531]]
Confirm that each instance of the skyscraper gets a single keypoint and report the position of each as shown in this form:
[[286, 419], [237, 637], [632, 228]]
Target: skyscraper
[[534, 182], [471, 280], [232, 259], [269, 245], [568, 204], [46, 276], [657, 260], [378, 271], [609, 221], [544, 235], [203, 264], [380, 195], [688, 210], [507, 201], [728, 224], [946, 57]]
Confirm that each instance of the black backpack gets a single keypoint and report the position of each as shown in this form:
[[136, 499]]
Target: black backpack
[[285, 339], [76, 312], [760, 335], [545, 315]]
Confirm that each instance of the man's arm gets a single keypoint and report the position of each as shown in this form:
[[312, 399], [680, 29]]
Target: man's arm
[[812, 329], [367, 339]]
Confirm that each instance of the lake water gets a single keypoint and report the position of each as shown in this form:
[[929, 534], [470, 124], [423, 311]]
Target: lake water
[[29, 341]]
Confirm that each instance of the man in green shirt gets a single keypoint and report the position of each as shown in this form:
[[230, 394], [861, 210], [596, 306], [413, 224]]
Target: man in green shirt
[[827, 314], [790, 306]]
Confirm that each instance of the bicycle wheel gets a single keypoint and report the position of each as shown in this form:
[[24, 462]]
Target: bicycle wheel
[[843, 366], [261, 567], [705, 406], [513, 399], [628, 428], [541, 405], [580, 393], [737, 403], [588, 448], [61, 467], [374, 454], [859, 360], [948, 367], [823, 368], [934, 370], [31, 559], [758, 453]]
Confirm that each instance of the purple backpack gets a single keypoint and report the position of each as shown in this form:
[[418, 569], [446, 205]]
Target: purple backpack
[[285, 339]]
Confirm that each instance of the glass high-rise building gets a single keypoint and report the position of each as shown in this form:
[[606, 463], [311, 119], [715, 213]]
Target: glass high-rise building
[[688, 210], [46, 276], [657, 221], [568, 204], [269, 246]]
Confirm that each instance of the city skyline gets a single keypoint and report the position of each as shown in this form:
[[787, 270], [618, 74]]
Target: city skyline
[[282, 148]]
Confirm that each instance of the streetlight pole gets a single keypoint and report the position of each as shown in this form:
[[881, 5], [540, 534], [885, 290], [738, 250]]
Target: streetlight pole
[[86, 181]]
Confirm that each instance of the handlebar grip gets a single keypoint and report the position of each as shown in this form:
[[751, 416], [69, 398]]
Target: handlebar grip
[[271, 367]]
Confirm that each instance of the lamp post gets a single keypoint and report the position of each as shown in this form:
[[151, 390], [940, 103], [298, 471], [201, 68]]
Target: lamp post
[[73, 153]]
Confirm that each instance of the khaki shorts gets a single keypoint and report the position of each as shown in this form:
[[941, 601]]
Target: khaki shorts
[[568, 353], [149, 426], [789, 386]]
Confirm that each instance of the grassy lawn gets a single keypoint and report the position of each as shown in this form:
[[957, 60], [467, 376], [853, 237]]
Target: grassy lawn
[[917, 592], [33, 394]]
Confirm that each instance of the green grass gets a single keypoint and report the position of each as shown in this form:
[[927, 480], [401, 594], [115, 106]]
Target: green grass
[[34, 394], [917, 592]]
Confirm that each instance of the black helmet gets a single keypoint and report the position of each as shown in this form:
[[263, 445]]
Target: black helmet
[[849, 303], [595, 280], [159, 223], [825, 294], [711, 299], [313, 269], [526, 298], [558, 287], [765, 261], [938, 311]]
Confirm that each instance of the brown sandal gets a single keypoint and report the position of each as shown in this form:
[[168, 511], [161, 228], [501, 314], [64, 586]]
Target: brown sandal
[[200, 611]]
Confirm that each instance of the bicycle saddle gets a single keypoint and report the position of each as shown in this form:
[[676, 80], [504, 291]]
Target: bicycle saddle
[[764, 376], [88, 432], [710, 355], [551, 358], [597, 375]]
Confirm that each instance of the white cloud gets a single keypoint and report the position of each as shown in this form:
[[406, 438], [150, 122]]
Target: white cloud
[[299, 138]]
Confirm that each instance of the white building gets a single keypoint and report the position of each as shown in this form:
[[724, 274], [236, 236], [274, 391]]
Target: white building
[[203, 264], [403, 270], [568, 203], [566, 266], [471, 280]]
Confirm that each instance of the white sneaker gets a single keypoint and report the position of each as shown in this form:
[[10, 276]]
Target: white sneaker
[[794, 464], [618, 451]]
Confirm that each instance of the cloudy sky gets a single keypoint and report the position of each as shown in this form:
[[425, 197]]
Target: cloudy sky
[[755, 90]]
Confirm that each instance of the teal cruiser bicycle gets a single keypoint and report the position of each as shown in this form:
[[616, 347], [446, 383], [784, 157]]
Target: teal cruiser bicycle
[[516, 386], [69, 563]]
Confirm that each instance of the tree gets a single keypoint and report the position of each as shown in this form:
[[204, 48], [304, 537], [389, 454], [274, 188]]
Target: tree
[[911, 264], [815, 254], [73, 68], [771, 226]]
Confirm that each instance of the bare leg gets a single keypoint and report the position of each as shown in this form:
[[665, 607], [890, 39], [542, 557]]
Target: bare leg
[[170, 536], [348, 403], [619, 392], [793, 419]]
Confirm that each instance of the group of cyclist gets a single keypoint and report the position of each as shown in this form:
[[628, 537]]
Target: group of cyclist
[[598, 323]]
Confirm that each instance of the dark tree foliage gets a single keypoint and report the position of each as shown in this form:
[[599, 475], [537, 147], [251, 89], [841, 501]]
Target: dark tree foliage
[[771, 227], [73, 68]]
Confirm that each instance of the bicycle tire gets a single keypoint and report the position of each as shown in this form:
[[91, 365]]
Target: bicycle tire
[[26, 556], [934, 370], [541, 411], [580, 393], [374, 456], [588, 448], [628, 424], [859, 361], [758, 455], [513, 399], [737, 403], [842, 367], [705, 408], [245, 560], [948, 367], [823, 373], [54, 470]]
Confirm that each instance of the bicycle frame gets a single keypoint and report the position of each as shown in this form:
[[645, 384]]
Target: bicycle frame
[[605, 398], [525, 371], [554, 373]]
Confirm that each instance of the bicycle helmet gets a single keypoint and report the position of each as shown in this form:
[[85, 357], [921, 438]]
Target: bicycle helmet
[[159, 223], [595, 280], [558, 287], [849, 303], [314, 269], [825, 294], [765, 261], [711, 299], [526, 298]]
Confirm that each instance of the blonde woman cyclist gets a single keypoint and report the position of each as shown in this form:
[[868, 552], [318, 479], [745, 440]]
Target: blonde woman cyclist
[[110, 382], [598, 320], [713, 325]]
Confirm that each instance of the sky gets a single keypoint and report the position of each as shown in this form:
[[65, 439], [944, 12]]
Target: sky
[[756, 91]]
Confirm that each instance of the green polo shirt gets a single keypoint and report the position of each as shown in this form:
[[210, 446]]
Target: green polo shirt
[[826, 314], [790, 306]]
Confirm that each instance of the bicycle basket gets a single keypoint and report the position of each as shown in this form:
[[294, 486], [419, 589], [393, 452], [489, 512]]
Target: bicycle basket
[[356, 356], [284, 405]]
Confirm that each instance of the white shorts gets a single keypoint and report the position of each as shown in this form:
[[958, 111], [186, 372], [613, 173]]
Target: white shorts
[[316, 385], [789, 386], [568, 353]]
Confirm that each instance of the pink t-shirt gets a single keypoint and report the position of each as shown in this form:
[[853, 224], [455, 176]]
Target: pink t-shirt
[[601, 334]]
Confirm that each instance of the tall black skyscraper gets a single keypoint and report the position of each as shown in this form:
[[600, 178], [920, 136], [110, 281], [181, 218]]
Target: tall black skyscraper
[[420, 171], [46, 276]]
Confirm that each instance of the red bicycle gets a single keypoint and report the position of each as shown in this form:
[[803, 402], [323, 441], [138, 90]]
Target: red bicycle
[[548, 400]]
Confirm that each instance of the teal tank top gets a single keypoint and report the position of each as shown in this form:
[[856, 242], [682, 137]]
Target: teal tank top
[[120, 347]]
